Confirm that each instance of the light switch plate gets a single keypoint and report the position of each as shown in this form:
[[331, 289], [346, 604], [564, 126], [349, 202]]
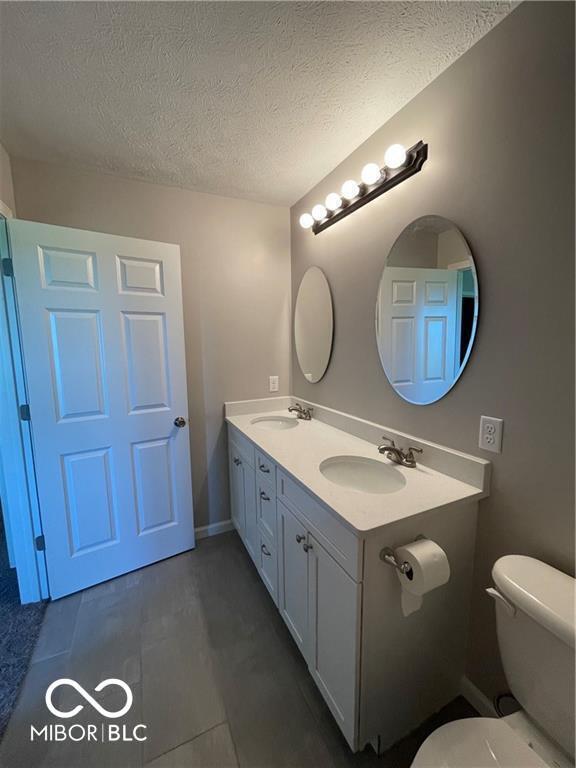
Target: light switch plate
[[490, 438], [273, 383]]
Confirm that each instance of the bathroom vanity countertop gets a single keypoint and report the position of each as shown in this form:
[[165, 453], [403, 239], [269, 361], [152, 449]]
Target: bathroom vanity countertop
[[301, 450]]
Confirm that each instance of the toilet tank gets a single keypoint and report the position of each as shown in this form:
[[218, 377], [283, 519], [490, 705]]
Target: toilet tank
[[536, 637]]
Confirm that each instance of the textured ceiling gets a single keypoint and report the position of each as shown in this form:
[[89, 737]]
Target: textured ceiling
[[257, 100]]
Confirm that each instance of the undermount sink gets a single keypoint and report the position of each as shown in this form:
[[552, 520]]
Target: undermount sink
[[275, 422], [361, 474]]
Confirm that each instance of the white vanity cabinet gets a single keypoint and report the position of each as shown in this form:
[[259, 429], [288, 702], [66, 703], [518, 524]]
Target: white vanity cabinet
[[381, 671]]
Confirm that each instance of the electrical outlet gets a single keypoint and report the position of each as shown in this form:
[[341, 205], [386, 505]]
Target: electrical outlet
[[491, 434], [273, 383]]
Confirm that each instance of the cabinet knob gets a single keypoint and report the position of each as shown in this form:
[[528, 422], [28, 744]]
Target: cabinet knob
[[265, 550], [264, 496], [263, 468], [307, 547], [179, 422], [299, 538], [237, 461]]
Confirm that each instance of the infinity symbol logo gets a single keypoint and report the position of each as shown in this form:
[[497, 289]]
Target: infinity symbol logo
[[85, 695]]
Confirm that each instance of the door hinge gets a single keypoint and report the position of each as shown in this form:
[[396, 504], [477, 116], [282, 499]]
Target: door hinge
[[25, 412], [40, 543], [7, 267]]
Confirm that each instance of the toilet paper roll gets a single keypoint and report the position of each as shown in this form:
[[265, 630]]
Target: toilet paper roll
[[429, 569]]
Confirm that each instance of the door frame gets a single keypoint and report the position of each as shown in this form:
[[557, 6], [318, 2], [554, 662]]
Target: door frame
[[20, 498]]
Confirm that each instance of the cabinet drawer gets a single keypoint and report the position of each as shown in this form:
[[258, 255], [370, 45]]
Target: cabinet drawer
[[268, 566], [266, 468], [266, 505], [341, 543], [242, 446]]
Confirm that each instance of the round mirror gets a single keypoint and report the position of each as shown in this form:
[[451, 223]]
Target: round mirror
[[313, 324], [427, 309]]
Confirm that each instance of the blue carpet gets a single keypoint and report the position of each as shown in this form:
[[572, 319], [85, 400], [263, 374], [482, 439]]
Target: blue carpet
[[19, 628]]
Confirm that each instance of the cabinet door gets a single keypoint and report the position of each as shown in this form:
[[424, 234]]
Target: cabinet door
[[334, 611], [236, 491], [251, 537], [293, 576]]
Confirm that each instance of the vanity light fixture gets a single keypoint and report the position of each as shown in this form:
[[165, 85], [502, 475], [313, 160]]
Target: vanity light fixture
[[399, 164]]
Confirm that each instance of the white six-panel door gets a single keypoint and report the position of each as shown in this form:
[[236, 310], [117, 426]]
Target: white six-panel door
[[103, 345], [417, 336]]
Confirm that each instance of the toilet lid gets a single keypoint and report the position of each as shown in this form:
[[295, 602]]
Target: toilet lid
[[478, 742]]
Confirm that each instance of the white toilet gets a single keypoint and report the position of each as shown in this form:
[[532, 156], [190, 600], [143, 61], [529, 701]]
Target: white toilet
[[536, 631]]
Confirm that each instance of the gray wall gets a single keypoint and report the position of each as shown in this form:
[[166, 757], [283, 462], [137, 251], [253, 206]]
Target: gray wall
[[235, 282], [499, 123], [6, 187]]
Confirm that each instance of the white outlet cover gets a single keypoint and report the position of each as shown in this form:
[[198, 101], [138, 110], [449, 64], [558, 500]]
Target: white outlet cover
[[273, 383], [490, 437]]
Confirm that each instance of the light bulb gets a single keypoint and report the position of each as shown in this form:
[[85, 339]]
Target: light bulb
[[350, 189], [395, 156], [306, 221], [319, 212], [371, 174], [333, 201]]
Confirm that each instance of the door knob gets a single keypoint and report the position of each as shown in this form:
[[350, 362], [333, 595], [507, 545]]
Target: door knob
[[179, 422]]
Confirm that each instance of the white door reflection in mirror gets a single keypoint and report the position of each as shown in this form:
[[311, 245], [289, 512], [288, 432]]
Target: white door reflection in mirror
[[427, 310], [313, 324]]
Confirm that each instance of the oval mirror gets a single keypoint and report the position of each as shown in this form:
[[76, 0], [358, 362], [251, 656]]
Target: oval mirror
[[427, 309], [313, 324]]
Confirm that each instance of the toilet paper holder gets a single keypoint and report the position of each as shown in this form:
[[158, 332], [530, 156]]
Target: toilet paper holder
[[387, 556]]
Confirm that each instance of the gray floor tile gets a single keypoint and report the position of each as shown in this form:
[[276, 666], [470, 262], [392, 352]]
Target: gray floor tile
[[58, 628], [108, 753], [213, 749], [16, 749], [107, 639], [181, 697], [215, 674], [114, 586]]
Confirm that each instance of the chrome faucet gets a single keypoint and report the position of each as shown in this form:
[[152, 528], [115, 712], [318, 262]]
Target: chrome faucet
[[405, 458], [301, 413]]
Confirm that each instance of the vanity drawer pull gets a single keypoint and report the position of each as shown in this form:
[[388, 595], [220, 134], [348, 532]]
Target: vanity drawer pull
[[307, 547], [264, 496], [264, 468], [265, 550], [299, 538]]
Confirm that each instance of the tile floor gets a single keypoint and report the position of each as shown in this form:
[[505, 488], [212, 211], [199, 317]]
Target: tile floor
[[214, 673]]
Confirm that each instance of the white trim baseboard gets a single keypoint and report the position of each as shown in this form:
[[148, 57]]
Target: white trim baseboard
[[476, 698], [214, 529]]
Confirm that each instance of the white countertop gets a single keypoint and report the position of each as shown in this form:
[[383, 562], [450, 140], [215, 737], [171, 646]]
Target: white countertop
[[301, 450]]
